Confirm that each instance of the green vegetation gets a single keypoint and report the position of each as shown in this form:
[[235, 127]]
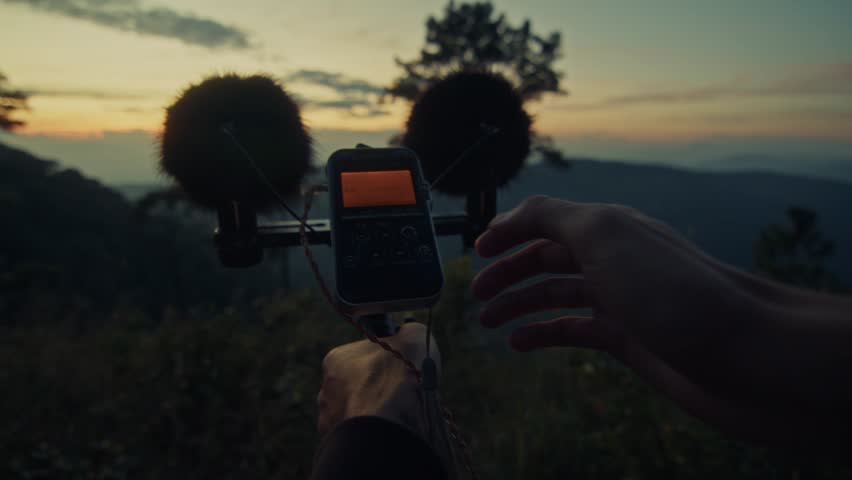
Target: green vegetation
[[472, 36], [797, 254], [220, 397], [232, 396]]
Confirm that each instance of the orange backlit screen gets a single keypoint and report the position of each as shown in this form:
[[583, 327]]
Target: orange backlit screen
[[377, 189]]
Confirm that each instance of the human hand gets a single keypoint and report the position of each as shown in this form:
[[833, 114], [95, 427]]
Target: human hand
[[642, 280], [361, 378], [661, 306]]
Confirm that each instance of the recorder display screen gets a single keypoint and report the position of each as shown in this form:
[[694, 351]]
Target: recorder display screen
[[377, 189]]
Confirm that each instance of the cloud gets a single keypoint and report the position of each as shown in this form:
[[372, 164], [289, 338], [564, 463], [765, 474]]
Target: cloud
[[135, 110], [356, 97], [810, 113], [336, 81], [129, 15], [86, 93], [826, 80], [356, 108]]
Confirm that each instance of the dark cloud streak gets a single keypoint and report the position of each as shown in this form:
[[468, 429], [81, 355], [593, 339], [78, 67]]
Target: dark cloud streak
[[129, 15], [335, 81], [359, 109], [358, 98], [87, 94]]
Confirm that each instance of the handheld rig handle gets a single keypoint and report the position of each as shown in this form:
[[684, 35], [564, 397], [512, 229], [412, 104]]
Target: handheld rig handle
[[379, 324]]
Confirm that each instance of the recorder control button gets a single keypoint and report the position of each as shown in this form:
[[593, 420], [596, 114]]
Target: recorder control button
[[360, 239], [408, 232], [400, 254], [350, 261], [376, 256], [424, 251]]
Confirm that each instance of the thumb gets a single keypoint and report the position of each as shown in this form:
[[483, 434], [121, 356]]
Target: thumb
[[569, 331]]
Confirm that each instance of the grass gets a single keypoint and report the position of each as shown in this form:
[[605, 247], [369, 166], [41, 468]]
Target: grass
[[232, 395]]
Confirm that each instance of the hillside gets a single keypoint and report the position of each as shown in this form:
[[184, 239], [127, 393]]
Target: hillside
[[71, 243]]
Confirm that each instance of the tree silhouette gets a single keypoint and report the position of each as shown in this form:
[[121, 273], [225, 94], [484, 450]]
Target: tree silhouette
[[470, 36], [473, 37], [10, 100], [796, 254]]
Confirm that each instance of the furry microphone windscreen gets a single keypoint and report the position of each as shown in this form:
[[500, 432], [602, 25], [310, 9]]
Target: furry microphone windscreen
[[209, 166], [448, 118]]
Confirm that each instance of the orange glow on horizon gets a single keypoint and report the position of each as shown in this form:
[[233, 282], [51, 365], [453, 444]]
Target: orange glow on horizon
[[71, 118]]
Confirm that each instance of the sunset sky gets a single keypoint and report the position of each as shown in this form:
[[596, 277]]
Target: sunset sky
[[649, 71]]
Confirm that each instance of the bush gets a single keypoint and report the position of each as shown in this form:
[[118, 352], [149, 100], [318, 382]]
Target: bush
[[232, 395]]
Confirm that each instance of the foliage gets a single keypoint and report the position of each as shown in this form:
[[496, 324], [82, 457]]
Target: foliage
[[77, 247], [10, 101], [796, 253], [232, 396], [194, 398], [470, 36]]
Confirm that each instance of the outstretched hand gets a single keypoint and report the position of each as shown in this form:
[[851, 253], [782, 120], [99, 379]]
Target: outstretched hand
[[642, 280], [658, 304]]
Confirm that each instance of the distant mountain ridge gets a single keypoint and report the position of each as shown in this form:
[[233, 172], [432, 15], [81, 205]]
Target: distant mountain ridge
[[74, 243], [838, 168], [802, 156], [721, 212]]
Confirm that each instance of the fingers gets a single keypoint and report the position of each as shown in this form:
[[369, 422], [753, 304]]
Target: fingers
[[545, 295], [543, 256], [569, 331], [584, 228], [536, 217]]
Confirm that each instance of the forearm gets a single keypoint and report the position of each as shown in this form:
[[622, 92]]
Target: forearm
[[376, 448], [792, 359], [806, 352]]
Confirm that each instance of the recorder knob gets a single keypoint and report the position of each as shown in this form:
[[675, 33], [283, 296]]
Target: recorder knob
[[408, 232]]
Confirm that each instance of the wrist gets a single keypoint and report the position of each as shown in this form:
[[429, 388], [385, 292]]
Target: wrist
[[395, 399], [401, 399], [791, 345], [729, 334]]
